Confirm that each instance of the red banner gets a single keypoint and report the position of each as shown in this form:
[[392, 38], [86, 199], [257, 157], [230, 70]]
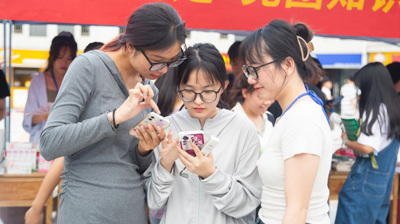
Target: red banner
[[371, 18]]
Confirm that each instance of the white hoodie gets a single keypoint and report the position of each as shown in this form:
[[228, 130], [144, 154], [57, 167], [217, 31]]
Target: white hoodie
[[230, 195]]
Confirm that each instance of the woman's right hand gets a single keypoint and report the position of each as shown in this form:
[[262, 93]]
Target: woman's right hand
[[34, 216], [139, 98], [169, 152]]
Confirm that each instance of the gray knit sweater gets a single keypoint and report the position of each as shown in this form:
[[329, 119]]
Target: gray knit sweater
[[102, 175]]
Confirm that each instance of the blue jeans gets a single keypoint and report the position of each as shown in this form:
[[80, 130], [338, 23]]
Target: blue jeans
[[365, 196]]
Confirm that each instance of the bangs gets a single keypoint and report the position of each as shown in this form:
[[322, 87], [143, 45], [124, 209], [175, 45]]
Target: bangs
[[208, 75], [251, 49]]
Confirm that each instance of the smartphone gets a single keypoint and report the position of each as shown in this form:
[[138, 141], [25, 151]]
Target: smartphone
[[185, 138], [151, 118], [208, 147]]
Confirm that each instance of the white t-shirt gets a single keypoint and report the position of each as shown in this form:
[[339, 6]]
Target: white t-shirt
[[267, 125], [349, 93], [302, 129], [327, 93], [379, 138]]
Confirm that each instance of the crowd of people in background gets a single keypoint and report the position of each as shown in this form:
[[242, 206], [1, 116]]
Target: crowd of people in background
[[271, 115]]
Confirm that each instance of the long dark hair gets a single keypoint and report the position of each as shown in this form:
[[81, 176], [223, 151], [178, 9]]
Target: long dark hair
[[235, 94], [153, 26], [206, 58], [377, 88], [64, 39], [167, 86], [279, 40]]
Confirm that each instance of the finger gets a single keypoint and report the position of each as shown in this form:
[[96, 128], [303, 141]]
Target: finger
[[145, 134], [139, 134], [186, 155], [150, 92], [196, 150], [143, 89], [186, 162], [161, 133], [135, 93], [168, 139], [153, 134], [153, 105]]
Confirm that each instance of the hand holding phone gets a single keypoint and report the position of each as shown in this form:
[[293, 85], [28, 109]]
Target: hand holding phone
[[208, 147], [185, 138], [151, 118]]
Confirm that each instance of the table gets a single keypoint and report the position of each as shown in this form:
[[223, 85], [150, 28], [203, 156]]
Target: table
[[337, 179], [20, 191]]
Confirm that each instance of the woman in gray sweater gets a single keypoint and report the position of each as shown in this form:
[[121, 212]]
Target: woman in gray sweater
[[103, 95]]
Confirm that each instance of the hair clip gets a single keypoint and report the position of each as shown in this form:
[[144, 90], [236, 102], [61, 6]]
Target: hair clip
[[310, 47]]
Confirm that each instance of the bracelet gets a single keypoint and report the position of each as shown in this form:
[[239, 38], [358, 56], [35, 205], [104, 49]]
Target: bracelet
[[113, 116]]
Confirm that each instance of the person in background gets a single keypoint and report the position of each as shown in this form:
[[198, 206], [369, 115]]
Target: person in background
[[326, 88], [44, 86], [104, 94], [365, 196], [348, 105], [394, 69], [93, 46], [4, 92], [236, 62], [295, 164], [224, 186], [53, 177], [244, 100]]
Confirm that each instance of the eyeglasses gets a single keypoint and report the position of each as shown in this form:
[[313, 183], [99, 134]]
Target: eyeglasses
[[161, 65], [207, 96], [252, 71]]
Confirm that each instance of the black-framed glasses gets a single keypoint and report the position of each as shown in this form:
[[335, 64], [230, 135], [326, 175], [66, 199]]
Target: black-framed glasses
[[161, 65], [207, 96], [252, 71]]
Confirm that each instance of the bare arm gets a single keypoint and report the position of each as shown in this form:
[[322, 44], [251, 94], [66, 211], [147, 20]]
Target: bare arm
[[2, 108], [36, 119], [360, 148], [35, 213], [300, 173]]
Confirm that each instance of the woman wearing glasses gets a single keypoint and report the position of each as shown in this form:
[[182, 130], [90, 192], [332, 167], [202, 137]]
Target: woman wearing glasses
[[224, 186], [104, 94], [295, 164]]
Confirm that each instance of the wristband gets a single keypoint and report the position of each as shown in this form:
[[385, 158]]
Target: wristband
[[113, 117]]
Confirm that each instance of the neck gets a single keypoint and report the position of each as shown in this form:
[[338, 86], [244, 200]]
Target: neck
[[57, 75], [203, 120], [251, 114], [290, 92], [121, 60]]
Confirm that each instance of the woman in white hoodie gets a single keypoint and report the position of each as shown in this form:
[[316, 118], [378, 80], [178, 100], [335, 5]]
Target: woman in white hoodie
[[223, 187]]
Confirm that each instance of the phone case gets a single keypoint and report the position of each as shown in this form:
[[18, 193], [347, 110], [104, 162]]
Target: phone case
[[151, 118], [197, 137], [208, 147]]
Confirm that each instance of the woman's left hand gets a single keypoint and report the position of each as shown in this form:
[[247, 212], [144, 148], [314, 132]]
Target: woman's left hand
[[149, 138], [200, 165]]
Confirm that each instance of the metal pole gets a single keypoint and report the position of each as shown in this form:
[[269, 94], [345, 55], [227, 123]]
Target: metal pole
[[5, 72], [8, 118]]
